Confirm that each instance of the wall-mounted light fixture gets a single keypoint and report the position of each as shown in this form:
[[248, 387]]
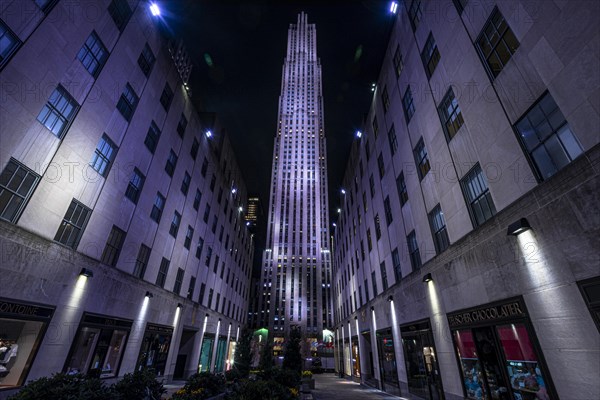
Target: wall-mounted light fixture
[[390, 298], [518, 227], [356, 317], [372, 308], [88, 273], [179, 305], [208, 134], [149, 295], [154, 10], [358, 134], [394, 7], [343, 191], [233, 190], [427, 278]]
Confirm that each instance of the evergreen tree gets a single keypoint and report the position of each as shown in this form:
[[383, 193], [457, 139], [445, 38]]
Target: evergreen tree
[[266, 357], [243, 355], [292, 359]]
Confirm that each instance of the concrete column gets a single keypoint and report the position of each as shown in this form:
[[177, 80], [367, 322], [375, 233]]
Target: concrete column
[[215, 345], [175, 342], [194, 360]]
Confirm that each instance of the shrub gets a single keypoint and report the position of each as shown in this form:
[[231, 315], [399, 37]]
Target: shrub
[[286, 377], [201, 386], [138, 385], [66, 387], [263, 390], [307, 374]]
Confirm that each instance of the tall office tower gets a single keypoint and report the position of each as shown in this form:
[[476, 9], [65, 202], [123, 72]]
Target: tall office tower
[[296, 268], [253, 210]]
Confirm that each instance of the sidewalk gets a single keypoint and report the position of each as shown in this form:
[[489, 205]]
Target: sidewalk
[[330, 387]]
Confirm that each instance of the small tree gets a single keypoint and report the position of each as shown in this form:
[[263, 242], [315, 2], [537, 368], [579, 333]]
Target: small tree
[[292, 359], [243, 355], [266, 357]]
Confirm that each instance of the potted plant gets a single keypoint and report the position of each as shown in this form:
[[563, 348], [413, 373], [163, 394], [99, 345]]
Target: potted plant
[[308, 382]]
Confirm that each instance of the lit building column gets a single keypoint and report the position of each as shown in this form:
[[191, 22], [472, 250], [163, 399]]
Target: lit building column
[[398, 350], [374, 347], [194, 361], [134, 342], [215, 347], [175, 342]]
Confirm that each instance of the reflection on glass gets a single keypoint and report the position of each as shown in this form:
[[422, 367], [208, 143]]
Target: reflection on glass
[[387, 357], [355, 359], [206, 354], [18, 339], [471, 368]]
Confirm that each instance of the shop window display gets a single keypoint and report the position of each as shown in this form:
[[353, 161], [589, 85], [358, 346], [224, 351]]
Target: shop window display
[[206, 354], [155, 349], [387, 357], [355, 358], [97, 351], [220, 358]]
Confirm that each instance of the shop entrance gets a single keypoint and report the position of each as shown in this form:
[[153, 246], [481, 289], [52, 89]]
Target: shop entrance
[[421, 361], [498, 356]]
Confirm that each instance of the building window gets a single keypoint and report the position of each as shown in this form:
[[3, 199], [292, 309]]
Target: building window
[[377, 227], [166, 98], [430, 55], [10, 42], [206, 213], [199, 247], [113, 247], [369, 241], [397, 266], [371, 186], [408, 105], [136, 183], [388, 210], [413, 250], [175, 224], [367, 150], [191, 288], [73, 224], [385, 99], [104, 155], [185, 184], [546, 136], [120, 12], [381, 166], [392, 140], [178, 281], [204, 167], [214, 224], [127, 102], [398, 62], [213, 180], [171, 163], [157, 208], [58, 113], [374, 282], [188, 237], [401, 187], [93, 54], [182, 125], [415, 13], [421, 159], [197, 199], [201, 295], [438, 229], [146, 60], [162, 272], [17, 184], [460, 5], [384, 281], [450, 114], [375, 129], [152, 137], [194, 149], [481, 206], [208, 256], [496, 43], [141, 261]]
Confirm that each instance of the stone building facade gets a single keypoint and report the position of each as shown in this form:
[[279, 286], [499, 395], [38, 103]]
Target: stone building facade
[[466, 261], [121, 204]]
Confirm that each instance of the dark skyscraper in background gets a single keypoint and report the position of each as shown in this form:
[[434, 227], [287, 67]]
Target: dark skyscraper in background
[[296, 268]]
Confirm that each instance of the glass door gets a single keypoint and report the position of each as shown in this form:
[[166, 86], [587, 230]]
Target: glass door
[[491, 363]]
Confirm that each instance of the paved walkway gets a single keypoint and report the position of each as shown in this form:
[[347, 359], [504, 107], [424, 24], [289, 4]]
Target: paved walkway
[[331, 387]]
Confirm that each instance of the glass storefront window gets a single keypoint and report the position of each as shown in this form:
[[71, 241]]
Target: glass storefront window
[[387, 357], [230, 355], [355, 358], [155, 349], [220, 358], [469, 362], [347, 359], [19, 339], [206, 354], [522, 365]]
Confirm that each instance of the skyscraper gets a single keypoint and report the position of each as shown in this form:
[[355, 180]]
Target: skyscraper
[[296, 267]]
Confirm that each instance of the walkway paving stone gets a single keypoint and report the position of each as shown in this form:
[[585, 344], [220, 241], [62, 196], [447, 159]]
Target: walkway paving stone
[[331, 387]]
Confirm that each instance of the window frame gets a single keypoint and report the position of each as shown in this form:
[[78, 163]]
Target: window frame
[[88, 50], [128, 102], [24, 198], [483, 195], [51, 109], [493, 74], [430, 56], [450, 102], [421, 159], [439, 234], [104, 155], [77, 227], [16, 44], [133, 192]]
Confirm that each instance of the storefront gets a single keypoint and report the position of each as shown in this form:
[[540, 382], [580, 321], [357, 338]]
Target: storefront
[[155, 348], [355, 357], [221, 354], [230, 355], [22, 328], [206, 352], [498, 354], [347, 358], [368, 367], [387, 360], [422, 370], [98, 346]]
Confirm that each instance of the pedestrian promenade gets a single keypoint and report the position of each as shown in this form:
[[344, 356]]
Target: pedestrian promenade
[[331, 387]]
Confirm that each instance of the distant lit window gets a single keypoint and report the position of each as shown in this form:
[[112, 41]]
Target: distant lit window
[[9, 42], [127, 102], [58, 112], [158, 207], [146, 60], [408, 105], [73, 224], [166, 98], [496, 43], [152, 137], [120, 12], [479, 199], [104, 155], [171, 163], [438, 229], [421, 159], [547, 137], [430, 55], [17, 184], [93, 54], [175, 222], [450, 114]]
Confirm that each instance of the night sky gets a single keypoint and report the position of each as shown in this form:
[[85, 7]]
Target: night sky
[[238, 49]]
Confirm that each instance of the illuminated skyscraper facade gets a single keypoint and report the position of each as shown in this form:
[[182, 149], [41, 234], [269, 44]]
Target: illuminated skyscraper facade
[[296, 267]]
